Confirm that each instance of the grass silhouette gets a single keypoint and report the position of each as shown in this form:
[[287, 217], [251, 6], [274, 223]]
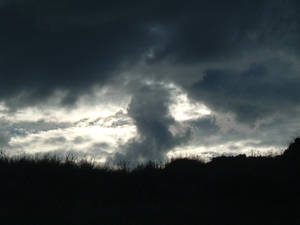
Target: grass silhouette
[[228, 190]]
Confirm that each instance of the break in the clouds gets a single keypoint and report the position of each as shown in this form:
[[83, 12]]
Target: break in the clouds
[[140, 80]]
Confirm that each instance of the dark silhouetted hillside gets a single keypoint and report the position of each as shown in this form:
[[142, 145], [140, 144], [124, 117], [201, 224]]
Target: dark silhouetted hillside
[[228, 190]]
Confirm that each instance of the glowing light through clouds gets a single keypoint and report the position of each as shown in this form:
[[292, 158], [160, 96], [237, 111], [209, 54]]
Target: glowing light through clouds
[[144, 80]]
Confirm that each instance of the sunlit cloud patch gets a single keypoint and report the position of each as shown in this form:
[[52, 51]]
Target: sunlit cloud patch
[[184, 109]]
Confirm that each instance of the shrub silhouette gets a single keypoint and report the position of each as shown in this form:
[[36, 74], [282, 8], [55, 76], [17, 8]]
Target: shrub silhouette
[[293, 151], [227, 190]]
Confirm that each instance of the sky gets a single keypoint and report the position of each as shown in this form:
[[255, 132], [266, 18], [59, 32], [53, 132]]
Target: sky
[[149, 80]]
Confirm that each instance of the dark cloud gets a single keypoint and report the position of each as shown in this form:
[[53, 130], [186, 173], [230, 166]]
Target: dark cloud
[[70, 46], [206, 125], [254, 93], [149, 108], [238, 57], [55, 45], [222, 31]]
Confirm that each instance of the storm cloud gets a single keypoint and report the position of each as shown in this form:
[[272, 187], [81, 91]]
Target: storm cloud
[[238, 58], [256, 92], [58, 45], [149, 109]]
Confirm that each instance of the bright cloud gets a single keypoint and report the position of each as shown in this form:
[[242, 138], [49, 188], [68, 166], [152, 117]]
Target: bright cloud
[[184, 109]]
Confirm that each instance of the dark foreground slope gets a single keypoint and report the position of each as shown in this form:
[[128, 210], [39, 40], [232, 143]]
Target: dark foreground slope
[[228, 190]]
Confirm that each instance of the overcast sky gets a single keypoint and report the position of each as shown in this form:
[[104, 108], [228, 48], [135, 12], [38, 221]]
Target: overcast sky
[[145, 80]]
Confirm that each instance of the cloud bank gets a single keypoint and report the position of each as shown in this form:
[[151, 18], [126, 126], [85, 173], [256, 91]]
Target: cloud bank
[[60, 59]]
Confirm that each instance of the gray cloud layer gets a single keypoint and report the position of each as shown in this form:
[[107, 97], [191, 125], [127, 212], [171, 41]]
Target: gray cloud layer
[[149, 109], [238, 57], [53, 45], [270, 87]]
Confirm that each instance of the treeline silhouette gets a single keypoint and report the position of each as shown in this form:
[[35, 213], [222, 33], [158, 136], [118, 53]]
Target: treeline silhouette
[[228, 190]]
